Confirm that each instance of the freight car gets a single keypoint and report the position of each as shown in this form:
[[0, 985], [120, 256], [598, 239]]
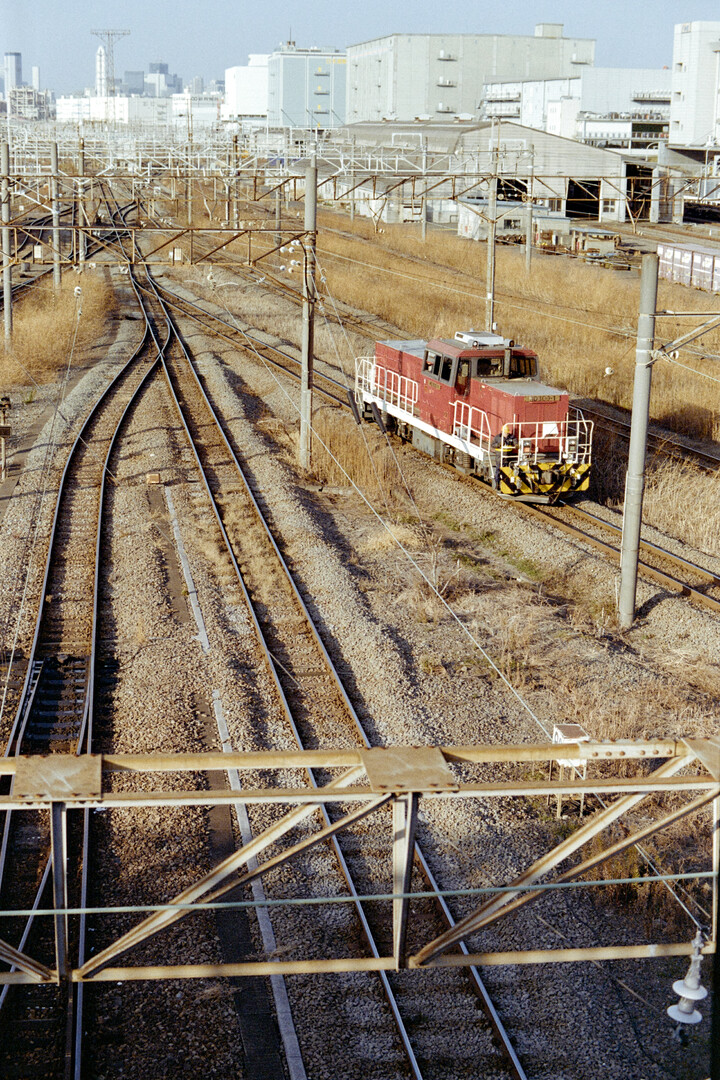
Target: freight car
[[477, 402]]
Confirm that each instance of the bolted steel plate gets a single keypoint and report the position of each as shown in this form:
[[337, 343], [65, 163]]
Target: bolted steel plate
[[407, 768], [58, 777]]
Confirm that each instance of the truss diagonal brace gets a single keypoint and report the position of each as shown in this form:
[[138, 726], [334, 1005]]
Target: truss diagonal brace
[[194, 893], [25, 963], [405, 809], [562, 851], [607, 853]]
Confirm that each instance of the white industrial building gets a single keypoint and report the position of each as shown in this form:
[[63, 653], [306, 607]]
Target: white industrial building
[[622, 108], [404, 76], [183, 111], [306, 87], [695, 109], [12, 71], [246, 90]]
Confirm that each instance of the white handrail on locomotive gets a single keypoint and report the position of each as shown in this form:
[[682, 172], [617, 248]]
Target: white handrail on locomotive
[[380, 382], [567, 441]]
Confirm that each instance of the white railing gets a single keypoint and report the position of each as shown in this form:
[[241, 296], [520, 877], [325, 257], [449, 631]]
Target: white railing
[[568, 440], [472, 425], [387, 385]]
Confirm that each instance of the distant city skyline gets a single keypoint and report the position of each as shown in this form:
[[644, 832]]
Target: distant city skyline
[[204, 40]]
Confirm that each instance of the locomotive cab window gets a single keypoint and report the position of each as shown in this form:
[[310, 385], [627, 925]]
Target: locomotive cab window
[[523, 367], [463, 376], [442, 368], [488, 366]]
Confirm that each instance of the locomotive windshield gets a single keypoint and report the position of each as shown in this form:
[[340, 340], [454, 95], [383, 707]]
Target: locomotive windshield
[[509, 365]]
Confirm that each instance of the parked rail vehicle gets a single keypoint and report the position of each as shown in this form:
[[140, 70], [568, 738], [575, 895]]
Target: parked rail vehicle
[[477, 402]]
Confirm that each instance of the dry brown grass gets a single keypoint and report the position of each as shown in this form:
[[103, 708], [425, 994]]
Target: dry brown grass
[[361, 453], [44, 330]]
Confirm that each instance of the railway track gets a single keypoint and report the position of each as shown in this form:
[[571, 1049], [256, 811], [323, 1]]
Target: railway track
[[55, 715], [294, 651], [668, 443], [700, 585], [318, 708]]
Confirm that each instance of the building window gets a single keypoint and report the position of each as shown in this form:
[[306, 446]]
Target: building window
[[609, 206]]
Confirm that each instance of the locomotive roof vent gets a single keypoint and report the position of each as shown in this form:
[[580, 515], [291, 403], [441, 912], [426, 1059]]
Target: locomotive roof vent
[[481, 339]]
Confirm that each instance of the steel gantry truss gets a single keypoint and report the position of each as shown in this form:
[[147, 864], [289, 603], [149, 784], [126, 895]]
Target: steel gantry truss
[[363, 784]]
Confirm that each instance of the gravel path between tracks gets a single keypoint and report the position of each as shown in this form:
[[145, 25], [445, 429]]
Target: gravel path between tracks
[[542, 606]]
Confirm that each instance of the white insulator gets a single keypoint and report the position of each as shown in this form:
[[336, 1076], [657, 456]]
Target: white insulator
[[78, 291], [689, 989], [609, 371], [294, 262]]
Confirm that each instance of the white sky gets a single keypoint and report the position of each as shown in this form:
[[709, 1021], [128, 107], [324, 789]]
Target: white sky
[[203, 37]]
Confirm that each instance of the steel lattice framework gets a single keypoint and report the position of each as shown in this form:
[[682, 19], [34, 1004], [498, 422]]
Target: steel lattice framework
[[363, 784]]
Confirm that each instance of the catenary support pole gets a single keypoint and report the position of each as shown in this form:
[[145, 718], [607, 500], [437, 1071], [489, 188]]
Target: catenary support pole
[[234, 182], [635, 481], [491, 223], [82, 215], [189, 187], [528, 235], [7, 254], [55, 206], [308, 323], [424, 196]]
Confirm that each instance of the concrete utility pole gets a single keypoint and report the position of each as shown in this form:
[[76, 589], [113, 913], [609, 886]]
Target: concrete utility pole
[[490, 272], [528, 235], [6, 248], [55, 206], [492, 214], [635, 481], [424, 197], [82, 215], [308, 323], [352, 179], [233, 181]]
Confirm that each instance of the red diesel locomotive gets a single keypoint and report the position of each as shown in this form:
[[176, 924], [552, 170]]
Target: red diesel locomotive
[[477, 402]]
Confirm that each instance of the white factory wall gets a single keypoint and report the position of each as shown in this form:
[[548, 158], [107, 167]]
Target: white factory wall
[[246, 88], [694, 109], [306, 87], [541, 103], [409, 75]]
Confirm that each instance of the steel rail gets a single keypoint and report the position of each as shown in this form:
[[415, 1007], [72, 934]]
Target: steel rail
[[671, 445], [648, 571], [249, 343], [30, 686], [272, 667], [478, 985]]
